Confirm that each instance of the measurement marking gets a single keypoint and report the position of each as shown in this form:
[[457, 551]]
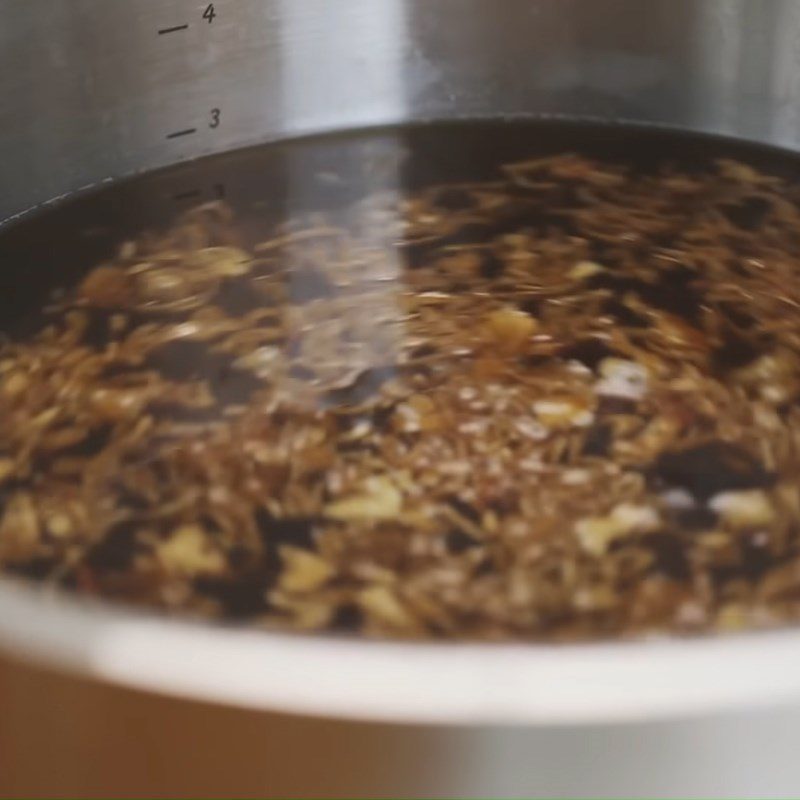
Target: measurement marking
[[184, 132], [187, 195], [173, 29]]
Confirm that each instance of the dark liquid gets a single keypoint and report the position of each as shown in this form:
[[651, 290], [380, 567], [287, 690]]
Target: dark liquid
[[268, 185], [567, 376]]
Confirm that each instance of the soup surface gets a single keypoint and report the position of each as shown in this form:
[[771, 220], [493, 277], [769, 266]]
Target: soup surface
[[479, 381]]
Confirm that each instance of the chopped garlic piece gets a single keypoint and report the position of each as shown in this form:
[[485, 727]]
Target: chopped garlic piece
[[621, 378], [303, 571], [188, 552], [381, 602], [531, 429], [576, 477], [227, 261], [747, 509], [15, 384], [511, 327], [59, 525], [381, 499], [597, 533], [585, 269], [563, 413], [642, 519]]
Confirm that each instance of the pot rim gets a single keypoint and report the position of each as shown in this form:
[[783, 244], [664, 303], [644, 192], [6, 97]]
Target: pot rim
[[410, 682]]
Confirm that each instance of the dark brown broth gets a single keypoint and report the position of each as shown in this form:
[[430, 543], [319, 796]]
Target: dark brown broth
[[568, 548]]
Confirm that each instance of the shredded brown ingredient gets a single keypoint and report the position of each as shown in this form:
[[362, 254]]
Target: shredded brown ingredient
[[558, 405]]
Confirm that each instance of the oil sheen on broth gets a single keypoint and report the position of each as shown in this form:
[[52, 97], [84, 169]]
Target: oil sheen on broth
[[479, 381]]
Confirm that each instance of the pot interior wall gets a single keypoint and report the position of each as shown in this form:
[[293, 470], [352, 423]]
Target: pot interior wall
[[95, 90]]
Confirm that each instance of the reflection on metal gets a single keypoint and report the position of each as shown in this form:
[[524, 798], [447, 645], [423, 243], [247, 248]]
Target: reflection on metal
[[93, 89]]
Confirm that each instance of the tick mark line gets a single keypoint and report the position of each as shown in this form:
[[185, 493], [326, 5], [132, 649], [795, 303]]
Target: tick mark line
[[173, 29], [187, 195], [184, 132]]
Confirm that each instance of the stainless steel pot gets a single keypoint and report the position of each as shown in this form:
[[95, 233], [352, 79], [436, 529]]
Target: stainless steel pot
[[93, 90]]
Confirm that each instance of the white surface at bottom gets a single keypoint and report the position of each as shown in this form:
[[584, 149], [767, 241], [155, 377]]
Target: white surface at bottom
[[752, 755], [105, 741]]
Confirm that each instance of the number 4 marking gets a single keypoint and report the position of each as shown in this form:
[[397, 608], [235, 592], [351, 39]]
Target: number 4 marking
[[209, 14]]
